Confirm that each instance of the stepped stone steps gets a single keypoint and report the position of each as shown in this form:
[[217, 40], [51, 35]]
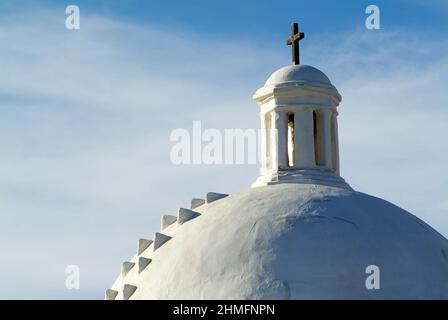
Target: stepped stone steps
[[142, 245], [166, 221], [128, 291], [142, 258]]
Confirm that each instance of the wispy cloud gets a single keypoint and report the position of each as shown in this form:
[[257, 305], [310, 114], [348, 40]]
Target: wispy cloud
[[85, 119], [85, 123]]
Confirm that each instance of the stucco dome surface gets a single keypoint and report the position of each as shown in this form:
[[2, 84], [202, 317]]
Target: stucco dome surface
[[295, 241]]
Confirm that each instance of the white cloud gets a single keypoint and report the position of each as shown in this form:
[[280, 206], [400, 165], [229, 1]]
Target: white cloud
[[86, 117]]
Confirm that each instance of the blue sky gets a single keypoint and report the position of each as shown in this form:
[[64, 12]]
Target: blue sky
[[85, 117]]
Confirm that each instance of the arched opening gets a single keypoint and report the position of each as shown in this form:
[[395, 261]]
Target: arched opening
[[318, 139], [290, 139]]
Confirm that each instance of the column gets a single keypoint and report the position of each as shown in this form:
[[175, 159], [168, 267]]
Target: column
[[279, 143], [303, 138], [263, 145], [336, 140], [326, 137]]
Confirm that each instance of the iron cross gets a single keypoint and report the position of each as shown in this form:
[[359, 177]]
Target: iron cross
[[293, 41]]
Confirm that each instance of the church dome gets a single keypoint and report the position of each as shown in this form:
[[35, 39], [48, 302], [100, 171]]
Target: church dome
[[294, 241], [299, 75], [300, 232]]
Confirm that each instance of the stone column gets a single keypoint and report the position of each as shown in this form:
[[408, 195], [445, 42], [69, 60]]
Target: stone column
[[326, 137], [279, 143], [273, 140], [263, 147], [336, 140], [303, 138]]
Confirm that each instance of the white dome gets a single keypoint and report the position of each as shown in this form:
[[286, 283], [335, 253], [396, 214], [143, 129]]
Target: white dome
[[299, 75], [294, 241]]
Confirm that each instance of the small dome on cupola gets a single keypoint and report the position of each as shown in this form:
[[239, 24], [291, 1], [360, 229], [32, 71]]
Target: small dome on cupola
[[299, 75]]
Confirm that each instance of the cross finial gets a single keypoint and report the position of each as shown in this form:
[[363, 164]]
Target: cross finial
[[293, 41]]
